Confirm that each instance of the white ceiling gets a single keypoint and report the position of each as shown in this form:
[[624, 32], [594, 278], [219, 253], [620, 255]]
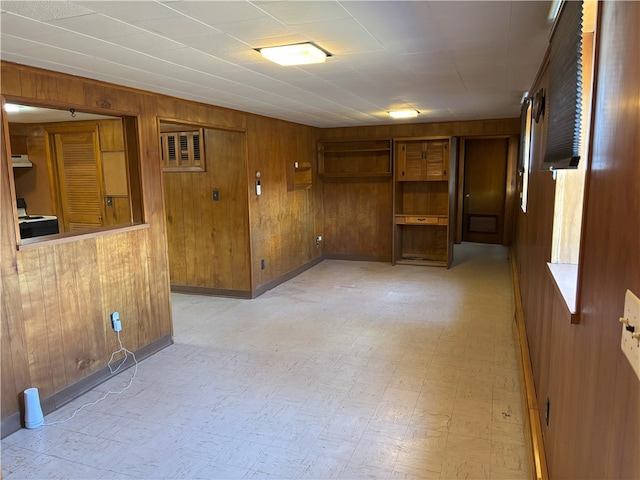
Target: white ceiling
[[450, 60]]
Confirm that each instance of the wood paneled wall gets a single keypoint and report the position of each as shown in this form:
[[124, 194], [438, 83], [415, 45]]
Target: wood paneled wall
[[57, 296], [283, 225], [594, 420], [209, 240], [357, 210]]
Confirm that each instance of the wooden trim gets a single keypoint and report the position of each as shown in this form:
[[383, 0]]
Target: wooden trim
[[13, 422], [511, 197], [287, 276], [533, 431], [356, 258], [214, 292], [589, 159], [36, 242]]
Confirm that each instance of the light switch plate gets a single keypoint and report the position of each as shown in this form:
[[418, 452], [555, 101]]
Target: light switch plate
[[631, 346]]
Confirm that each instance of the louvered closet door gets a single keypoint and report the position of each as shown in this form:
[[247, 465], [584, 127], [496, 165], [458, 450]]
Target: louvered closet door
[[79, 180]]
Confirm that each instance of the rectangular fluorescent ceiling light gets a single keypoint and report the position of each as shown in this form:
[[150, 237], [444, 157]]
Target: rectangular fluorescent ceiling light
[[298, 54], [11, 108], [399, 114]]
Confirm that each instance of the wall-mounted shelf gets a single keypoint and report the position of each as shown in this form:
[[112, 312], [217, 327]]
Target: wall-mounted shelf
[[354, 158], [299, 176]]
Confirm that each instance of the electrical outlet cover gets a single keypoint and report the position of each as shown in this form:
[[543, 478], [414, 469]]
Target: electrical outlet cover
[[631, 346]]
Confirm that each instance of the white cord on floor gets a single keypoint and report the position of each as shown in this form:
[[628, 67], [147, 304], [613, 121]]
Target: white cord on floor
[[113, 371]]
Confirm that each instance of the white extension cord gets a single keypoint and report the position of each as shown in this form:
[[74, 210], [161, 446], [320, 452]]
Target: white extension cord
[[113, 371]]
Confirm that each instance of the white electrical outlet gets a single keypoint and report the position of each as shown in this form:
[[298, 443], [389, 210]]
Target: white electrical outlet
[[630, 343]]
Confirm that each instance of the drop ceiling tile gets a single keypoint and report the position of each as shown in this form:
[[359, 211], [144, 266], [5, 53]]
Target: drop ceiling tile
[[256, 29], [215, 13], [129, 11], [530, 19], [176, 27], [201, 61], [296, 13], [45, 10], [125, 56], [472, 21], [17, 44], [54, 55], [23, 27], [337, 30], [72, 41], [401, 42], [374, 13], [216, 44], [97, 25], [146, 43], [482, 46], [527, 53]]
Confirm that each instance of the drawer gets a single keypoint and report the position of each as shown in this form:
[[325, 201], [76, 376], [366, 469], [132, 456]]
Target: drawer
[[421, 220]]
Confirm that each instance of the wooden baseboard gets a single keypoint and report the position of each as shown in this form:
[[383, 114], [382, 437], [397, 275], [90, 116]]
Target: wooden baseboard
[[287, 276], [357, 258], [531, 417], [215, 292], [12, 423]]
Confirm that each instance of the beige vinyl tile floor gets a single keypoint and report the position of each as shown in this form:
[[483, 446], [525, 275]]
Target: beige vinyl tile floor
[[350, 370]]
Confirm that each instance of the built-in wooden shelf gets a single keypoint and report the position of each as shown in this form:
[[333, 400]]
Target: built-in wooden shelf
[[354, 158], [423, 201], [299, 176]]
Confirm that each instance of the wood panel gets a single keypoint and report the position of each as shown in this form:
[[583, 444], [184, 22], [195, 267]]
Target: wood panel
[[57, 296], [343, 207], [15, 364], [283, 228], [358, 218], [594, 424], [210, 238]]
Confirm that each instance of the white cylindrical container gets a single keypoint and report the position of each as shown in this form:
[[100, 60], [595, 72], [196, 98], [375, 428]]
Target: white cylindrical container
[[33, 417]]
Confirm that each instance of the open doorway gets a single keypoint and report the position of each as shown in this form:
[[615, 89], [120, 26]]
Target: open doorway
[[485, 207]]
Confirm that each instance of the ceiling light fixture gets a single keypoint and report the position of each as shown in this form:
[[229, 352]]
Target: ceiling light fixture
[[399, 114], [297, 54], [11, 107]]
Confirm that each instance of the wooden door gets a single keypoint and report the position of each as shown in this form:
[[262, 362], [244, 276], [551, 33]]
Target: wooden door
[[207, 232], [485, 180], [79, 180]]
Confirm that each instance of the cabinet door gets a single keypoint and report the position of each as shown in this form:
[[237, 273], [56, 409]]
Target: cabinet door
[[79, 182], [437, 156], [410, 162]]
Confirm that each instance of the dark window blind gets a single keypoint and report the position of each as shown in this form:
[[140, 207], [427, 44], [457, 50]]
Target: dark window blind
[[564, 108]]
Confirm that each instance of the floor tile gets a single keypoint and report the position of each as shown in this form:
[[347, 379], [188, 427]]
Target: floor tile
[[349, 370]]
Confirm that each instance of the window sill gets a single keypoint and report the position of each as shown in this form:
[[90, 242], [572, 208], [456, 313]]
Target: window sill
[[565, 281]]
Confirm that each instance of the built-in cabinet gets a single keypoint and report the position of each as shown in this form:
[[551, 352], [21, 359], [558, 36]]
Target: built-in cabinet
[[424, 191]]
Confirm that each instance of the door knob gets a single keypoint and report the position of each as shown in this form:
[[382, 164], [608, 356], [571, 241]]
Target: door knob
[[467, 195]]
